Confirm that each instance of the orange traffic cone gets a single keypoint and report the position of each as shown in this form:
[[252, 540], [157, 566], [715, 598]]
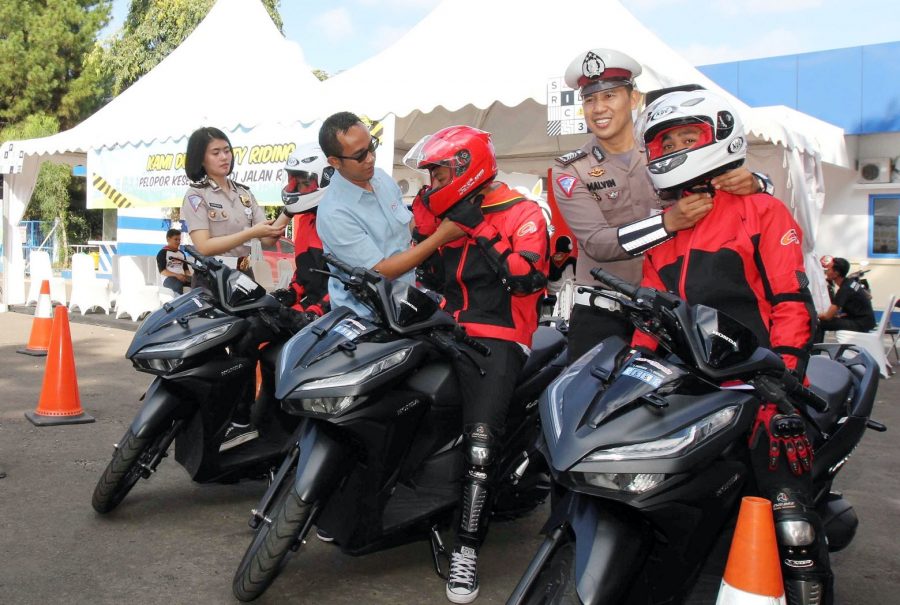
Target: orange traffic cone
[[753, 572], [39, 341], [59, 403]]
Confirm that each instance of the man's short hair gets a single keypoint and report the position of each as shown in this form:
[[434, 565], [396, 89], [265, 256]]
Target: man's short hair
[[336, 123], [172, 233], [841, 266]]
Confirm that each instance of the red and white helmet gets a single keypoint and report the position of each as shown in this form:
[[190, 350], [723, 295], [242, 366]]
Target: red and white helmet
[[469, 154], [307, 174], [718, 143]]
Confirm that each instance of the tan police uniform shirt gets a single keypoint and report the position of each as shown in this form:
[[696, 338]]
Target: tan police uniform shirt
[[596, 196], [221, 211]]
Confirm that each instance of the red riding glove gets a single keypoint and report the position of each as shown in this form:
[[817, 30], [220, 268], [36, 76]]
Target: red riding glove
[[786, 431]]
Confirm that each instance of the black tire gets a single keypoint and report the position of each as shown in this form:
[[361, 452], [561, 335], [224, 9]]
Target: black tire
[[122, 472], [272, 543], [556, 583]]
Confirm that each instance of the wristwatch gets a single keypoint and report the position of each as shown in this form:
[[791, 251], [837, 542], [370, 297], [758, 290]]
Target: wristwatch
[[765, 183]]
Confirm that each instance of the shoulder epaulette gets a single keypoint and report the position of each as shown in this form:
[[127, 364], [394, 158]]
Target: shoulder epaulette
[[565, 160]]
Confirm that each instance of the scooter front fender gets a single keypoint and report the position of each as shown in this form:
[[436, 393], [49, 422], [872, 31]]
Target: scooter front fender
[[160, 407], [610, 547], [323, 462]]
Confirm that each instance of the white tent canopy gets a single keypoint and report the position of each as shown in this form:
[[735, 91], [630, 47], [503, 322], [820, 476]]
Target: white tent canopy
[[487, 64], [231, 71], [471, 60]]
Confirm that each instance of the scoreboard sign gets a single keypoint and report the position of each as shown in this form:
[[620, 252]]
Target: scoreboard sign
[[564, 112]]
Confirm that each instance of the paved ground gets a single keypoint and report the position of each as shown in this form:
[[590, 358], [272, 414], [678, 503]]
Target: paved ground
[[173, 541]]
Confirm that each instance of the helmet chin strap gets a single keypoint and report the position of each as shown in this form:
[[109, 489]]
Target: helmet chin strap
[[704, 187]]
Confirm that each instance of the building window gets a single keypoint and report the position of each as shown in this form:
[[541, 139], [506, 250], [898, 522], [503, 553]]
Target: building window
[[884, 235]]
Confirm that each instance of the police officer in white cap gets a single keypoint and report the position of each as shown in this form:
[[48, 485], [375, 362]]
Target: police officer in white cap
[[604, 185]]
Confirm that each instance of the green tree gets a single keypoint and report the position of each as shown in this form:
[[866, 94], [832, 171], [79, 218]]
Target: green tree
[[43, 48], [153, 29]]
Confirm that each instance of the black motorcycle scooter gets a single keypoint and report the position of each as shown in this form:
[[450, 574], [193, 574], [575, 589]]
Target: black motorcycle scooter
[[198, 347], [649, 451], [378, 461]]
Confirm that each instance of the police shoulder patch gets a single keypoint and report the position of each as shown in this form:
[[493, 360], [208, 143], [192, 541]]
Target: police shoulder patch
[[565, 160]]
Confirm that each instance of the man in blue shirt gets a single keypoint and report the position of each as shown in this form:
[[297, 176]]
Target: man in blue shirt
[[362, 219]]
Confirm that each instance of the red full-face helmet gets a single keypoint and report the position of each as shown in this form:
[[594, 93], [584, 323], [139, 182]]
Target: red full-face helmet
[[467, 152]]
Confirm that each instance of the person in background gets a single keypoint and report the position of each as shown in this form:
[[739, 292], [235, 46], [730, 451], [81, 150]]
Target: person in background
[[604, 186], [222, 217], [744, 258], [492, 275], [851, 305], [308, 174], [172, 265], [361, 218]]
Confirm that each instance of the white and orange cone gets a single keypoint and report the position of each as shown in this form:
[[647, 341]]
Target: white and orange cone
[[753, 573], [39, 340]]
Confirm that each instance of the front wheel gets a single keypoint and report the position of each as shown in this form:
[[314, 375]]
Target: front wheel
[[274, 539], [556, 582], [128, 464]]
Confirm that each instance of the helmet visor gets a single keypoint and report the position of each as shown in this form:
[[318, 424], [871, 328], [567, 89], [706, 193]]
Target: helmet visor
[[430, 152], [671, 138]]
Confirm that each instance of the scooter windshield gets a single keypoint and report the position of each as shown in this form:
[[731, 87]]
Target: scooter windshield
[[725, 341]]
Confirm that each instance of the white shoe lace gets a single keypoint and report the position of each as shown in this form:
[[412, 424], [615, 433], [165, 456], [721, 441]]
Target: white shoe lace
[[463, 569]]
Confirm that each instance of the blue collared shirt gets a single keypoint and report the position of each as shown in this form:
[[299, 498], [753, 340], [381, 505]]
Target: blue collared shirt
[[362, 228]]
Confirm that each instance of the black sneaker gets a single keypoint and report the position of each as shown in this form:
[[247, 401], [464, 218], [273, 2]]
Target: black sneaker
[[462, 587], [236, 434]]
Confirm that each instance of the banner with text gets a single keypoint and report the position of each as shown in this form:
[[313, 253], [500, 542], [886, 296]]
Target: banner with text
[[132, 176]]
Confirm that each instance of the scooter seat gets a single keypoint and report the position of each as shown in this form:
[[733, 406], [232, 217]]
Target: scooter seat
[[546, 344], [831, 381]]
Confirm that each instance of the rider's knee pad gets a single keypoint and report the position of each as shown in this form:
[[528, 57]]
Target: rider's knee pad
[[795, 532], [480, 445]]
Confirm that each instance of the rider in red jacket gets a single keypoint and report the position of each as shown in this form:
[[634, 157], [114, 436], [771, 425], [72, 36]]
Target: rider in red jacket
[[308, 175], [743, 258], [492, 278]]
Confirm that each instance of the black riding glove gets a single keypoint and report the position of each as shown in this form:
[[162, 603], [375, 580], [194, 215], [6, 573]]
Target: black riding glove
[[787, 432], [286, 297], [467, 214]]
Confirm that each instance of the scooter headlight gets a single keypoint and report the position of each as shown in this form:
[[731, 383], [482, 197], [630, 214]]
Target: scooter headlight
[[633, 483], [676, 444], [177, 346], [359, 375], [327, 405]]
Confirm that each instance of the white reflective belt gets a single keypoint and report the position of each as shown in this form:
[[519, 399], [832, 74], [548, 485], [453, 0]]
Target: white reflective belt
[[584, 298]]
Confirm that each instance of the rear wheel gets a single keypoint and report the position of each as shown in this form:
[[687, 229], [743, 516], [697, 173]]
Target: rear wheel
[[274, 539], [556, 582], [128, 464]]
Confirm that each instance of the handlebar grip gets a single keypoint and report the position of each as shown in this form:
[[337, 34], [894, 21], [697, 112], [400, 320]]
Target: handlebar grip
[[481, 349], [798, 391], [337, 263], [809, 398], [614, 283]]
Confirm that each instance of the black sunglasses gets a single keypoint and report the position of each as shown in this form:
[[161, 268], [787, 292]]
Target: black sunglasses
[[362, 155]]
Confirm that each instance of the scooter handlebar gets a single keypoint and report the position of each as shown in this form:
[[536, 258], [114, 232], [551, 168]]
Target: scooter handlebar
[[614, 283]]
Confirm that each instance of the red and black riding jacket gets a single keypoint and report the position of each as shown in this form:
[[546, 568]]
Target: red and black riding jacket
[[744, 258], [310, 287], [493, 279]]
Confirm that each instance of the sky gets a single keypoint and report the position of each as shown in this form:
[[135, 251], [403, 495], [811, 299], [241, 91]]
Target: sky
[[337, 35]]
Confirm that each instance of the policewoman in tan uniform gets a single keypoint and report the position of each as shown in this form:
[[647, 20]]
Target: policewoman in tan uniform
[[604, 186], [222, 215]]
